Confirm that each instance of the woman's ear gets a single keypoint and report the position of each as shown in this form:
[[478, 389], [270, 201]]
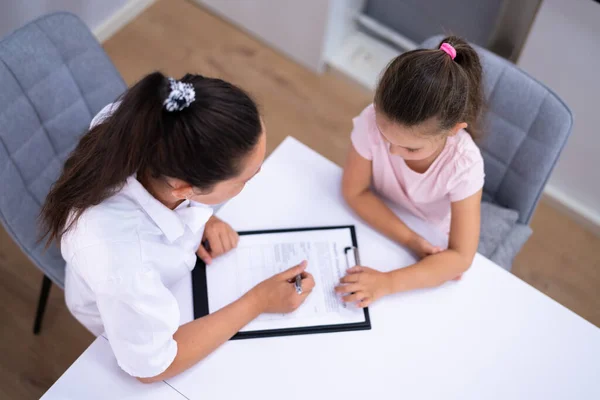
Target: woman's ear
[[181, 190], [182, 193], [458, 127]]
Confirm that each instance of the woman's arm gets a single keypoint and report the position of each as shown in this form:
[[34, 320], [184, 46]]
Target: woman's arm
[[198, 338], [357, 193]]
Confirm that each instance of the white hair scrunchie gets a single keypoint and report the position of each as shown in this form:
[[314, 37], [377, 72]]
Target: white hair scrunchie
[[180, 97]]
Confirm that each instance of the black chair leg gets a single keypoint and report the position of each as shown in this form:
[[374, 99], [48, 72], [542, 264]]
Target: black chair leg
[[39, 315]]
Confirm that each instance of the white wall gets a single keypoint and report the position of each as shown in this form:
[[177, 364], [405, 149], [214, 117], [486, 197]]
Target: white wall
[[294, 27], [15, 13], [563, 51]]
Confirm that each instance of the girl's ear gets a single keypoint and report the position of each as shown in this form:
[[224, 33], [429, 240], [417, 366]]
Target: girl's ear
[[458, 127]]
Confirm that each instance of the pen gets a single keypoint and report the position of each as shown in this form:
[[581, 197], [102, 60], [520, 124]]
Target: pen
[[298, 284]]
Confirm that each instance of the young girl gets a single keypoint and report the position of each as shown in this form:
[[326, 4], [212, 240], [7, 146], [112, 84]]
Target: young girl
[[131, 210], [412, 147]]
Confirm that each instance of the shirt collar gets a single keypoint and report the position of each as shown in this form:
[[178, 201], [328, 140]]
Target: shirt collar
[[171, 222]]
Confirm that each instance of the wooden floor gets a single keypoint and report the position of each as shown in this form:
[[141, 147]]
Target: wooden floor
[[561, 259]]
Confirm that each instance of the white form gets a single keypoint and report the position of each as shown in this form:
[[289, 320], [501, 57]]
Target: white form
[[260, 256]]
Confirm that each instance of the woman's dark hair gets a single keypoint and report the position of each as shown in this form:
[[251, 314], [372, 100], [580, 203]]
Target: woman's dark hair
[[422, 84], [201, 145]]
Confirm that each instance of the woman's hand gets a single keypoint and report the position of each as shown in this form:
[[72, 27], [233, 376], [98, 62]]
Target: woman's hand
[[422, 247], [220, 237], [364, 285], [274, 295], [278, 293]]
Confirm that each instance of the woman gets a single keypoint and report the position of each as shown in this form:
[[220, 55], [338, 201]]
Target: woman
[[131, 210]]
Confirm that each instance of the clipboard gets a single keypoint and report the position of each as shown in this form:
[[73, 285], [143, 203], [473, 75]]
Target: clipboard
[[200, 293]]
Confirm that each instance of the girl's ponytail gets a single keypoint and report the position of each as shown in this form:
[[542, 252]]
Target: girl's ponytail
[[443, 83], [200, 144], [468, 59]]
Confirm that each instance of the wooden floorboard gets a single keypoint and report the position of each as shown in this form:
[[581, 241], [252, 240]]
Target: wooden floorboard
[[561, 259]]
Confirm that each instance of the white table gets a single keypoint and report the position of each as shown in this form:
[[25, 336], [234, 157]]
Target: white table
[[487, 336]]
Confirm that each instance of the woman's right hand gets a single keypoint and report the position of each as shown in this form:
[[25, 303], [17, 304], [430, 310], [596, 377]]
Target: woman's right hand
[[422, 247], [278, 293]]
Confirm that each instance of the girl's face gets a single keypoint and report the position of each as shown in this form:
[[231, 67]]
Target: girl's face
[[414, 143]]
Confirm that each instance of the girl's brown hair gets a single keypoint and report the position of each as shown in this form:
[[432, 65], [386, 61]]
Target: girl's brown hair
[[422, 84], [201, 145]]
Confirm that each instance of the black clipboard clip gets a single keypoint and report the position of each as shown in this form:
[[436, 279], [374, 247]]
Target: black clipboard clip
[[356, 256]]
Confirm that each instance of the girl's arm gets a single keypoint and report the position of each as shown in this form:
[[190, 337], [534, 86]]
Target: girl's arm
[[357, 193], [364, 285], [462, 246], [198, 338]]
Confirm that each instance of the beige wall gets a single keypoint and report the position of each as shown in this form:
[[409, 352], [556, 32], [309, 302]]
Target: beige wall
[[563, 51], [15, 13]]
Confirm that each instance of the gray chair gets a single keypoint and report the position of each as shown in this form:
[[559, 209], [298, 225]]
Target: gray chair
[[55, 77], [526, 127]]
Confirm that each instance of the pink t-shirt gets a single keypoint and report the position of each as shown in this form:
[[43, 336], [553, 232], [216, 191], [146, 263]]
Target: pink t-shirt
[[456, 173]]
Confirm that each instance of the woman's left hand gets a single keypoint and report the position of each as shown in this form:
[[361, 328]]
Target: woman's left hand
[[221, 238], [364, 285]]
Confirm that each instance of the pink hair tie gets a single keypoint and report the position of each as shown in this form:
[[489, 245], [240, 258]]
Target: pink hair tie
[[448, 49]]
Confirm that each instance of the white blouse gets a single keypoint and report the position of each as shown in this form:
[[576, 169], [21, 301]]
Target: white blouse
[[122, 256]]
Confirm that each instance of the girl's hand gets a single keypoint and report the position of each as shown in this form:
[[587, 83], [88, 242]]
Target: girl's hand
[[221, 238], [422, 247], [278, 293], [363, 285]]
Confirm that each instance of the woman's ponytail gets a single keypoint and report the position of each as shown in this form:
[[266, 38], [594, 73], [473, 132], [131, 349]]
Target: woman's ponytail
[[201, 145]]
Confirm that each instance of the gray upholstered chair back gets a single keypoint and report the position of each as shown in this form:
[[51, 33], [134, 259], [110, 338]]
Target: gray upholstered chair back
[[54, 78], [525, 130]]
